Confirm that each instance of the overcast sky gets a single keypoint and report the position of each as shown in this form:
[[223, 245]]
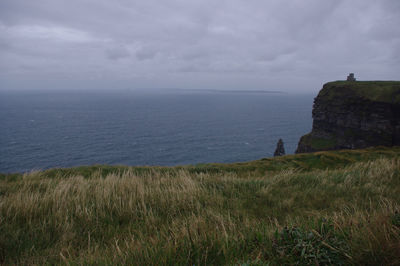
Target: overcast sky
[[290, 45]]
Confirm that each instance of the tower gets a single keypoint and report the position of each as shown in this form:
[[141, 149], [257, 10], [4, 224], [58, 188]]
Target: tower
[[351, 77]]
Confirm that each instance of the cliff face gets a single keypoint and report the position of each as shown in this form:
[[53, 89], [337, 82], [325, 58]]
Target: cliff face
[[354, 115]]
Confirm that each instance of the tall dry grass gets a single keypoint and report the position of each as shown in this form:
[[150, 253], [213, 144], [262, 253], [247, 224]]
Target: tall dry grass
[[177, 217]]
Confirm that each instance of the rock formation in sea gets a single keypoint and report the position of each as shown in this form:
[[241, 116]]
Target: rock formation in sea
[[280, 150], [353, 115]]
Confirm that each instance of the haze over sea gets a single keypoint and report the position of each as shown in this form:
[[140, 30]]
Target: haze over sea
[[45, 129]]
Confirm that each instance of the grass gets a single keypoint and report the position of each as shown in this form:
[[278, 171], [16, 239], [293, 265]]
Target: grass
[[339, 207], [380, 91], [319, 143]]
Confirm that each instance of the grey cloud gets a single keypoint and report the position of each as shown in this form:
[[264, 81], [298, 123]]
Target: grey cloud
[[197, 43], [189, 68], [144, 54], [116, 53]]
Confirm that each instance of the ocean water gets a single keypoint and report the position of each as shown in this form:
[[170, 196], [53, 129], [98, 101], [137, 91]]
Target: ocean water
[[41, 130]]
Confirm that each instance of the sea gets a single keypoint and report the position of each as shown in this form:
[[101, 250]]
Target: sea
[[51, 129]]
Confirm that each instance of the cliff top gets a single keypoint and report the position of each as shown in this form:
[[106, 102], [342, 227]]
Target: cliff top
[[380, 91]]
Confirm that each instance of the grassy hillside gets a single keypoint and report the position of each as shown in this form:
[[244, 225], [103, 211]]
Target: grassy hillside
[[381, 91], [340, 207]]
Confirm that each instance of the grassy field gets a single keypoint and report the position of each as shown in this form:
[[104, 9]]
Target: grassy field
[[339, 207], [381, 91]]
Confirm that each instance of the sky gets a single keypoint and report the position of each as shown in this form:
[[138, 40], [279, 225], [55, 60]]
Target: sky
[[288, 45]]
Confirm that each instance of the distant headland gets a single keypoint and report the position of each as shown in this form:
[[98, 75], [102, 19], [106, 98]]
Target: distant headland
[[229, 91], [354, 115]]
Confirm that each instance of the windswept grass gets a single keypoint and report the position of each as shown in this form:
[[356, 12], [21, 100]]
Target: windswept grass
[[347, 215], [381, 91]]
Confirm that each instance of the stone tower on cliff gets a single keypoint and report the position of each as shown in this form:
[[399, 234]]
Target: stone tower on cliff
[[351, 77]]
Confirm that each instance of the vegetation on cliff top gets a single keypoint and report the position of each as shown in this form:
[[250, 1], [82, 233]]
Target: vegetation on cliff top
[[318, 144], [339, 207], [380, 91]]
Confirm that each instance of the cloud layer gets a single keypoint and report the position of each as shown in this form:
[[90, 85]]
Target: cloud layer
[[293, 45]]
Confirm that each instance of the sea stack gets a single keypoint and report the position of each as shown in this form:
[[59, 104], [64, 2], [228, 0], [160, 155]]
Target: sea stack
[[280, 150]]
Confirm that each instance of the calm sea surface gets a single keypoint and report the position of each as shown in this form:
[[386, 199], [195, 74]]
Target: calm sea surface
[[41, 130]]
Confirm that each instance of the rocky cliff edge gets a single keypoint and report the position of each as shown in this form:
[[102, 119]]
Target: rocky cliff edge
[[354, 115]]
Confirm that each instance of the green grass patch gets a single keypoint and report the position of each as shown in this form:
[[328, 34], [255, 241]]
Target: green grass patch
[[381, 91], [319, 143], [324, 208]]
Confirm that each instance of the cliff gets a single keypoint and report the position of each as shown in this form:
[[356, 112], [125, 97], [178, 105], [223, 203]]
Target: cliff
[[353, 115]]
